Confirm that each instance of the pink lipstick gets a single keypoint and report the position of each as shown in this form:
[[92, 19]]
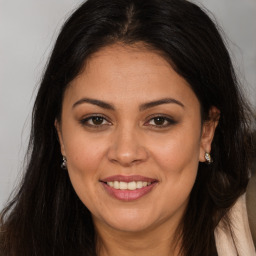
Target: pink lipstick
[[128, 188]]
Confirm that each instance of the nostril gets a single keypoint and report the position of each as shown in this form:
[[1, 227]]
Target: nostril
[[127, 154]]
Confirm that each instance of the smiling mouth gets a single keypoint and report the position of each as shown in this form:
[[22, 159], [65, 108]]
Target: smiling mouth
[[133, 185], [128, 188]]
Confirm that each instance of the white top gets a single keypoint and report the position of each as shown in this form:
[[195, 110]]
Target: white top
[[240, 243]]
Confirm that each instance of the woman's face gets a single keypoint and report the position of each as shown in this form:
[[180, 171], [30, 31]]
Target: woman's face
[[131, 132]]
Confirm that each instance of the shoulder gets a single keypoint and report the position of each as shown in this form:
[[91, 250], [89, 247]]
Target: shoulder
[[236, 240], [251, 203]]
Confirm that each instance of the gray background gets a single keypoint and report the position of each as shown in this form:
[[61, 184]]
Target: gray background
[[28, 29]]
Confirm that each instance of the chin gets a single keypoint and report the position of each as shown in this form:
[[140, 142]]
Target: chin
[[129, 220], [130, 226]]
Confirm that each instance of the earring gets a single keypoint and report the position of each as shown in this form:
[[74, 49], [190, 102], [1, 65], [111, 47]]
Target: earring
[[208, 158], [64, 163]]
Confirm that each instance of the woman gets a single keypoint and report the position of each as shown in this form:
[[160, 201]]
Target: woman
[[138, 142]]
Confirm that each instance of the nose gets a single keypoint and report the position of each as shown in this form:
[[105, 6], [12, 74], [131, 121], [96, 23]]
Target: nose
[[127, 148]]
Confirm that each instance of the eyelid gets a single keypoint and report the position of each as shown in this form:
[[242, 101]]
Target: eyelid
[[83, 121], [171, 120]]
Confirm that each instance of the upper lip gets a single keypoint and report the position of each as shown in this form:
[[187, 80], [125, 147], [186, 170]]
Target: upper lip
[[128, 178]]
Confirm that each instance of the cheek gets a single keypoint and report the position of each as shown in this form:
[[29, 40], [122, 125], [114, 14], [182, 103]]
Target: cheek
[[84, 160], [177, 157], [83, 150], [180, 150], [178, 162], [84, 156]]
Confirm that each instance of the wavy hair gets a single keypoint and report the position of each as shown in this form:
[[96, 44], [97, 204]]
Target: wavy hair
[[46, 217]]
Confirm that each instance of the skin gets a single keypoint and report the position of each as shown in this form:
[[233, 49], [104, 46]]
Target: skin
[[130, 141]]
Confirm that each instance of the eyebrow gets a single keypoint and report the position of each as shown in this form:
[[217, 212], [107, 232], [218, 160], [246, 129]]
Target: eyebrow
[[160, 102], [98, 103], [142, 107]]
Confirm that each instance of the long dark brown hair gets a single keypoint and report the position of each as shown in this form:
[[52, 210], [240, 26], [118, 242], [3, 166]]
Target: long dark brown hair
[[46, 217]]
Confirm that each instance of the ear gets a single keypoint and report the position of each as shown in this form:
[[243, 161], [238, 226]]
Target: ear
[[208, 130], [58, 129]]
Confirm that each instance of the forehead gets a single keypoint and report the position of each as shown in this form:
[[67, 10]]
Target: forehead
[[125, 61], [120, 73]]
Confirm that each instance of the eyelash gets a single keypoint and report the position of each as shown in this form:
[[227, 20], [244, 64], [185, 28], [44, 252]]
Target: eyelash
[[167, 120], [170, 121], [85, 121]]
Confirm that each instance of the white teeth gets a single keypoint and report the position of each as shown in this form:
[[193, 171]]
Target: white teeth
[[139, 184], [116, 185], [123, 185], [111, 184], [132, 185], [128, 185]]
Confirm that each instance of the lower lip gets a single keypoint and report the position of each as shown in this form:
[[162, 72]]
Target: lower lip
[[128, 195]]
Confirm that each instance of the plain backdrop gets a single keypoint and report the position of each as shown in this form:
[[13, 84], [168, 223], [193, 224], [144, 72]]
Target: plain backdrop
[[28, 29]]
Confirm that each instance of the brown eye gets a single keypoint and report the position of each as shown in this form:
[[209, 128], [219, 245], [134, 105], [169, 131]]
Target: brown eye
[[159, 120], [97, 120]]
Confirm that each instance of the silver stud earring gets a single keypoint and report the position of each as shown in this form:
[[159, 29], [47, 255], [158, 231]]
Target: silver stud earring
[[64, 163], [208, 158]]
